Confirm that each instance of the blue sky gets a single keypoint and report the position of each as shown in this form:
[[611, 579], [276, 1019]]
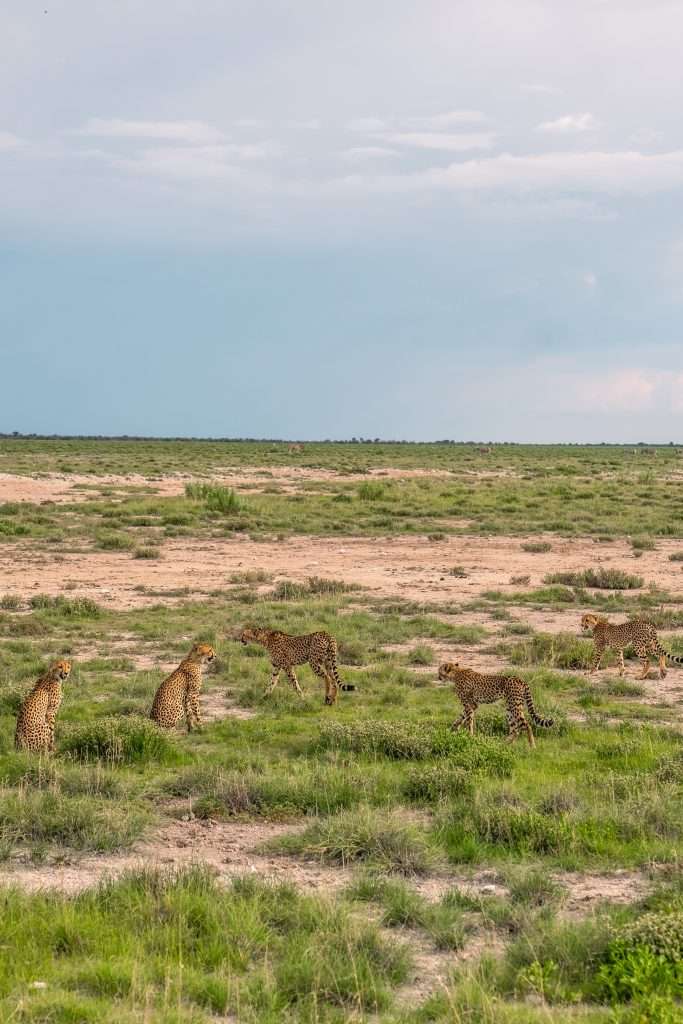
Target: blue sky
[[311, 219]]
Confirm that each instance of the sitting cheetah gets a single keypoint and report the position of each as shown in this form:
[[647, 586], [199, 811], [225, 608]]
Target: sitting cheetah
[[36, 718], [319, 650], [473, 689], [179, 693], [636, 633]]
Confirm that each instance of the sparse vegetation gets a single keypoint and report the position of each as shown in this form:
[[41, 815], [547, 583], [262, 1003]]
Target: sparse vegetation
[[603, 579]]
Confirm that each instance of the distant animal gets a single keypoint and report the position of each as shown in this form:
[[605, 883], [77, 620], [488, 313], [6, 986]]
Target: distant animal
[[36, 719], [636, 633], [475, 688], [319, 650], [178, 695], [484, 450], [295, 447]]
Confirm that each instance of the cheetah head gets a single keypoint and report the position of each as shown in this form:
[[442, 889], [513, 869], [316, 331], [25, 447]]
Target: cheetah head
[[250, 635], [202, 652], [589, 621], [61, 669], [449, 671]]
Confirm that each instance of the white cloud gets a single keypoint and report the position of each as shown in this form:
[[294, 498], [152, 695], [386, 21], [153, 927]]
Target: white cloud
[[359, 154], [366, 124], [313, 124], [600, 172], [192, 132], [10, 141], [590, 280], [437, 122], [570, 124], [447, 142]]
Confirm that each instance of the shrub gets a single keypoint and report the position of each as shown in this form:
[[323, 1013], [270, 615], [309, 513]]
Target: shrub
[[364, 836], [215, 497], [371, 490], [70, 608], [414, 741], [110, 541], [148, 551], [677, 556], [433, 782], [537, 547], [458, 571], [642, 544], [119, 741], [604, 579], [10, 602], [557, 650], [288, 590], [421, 655], [645, 958]]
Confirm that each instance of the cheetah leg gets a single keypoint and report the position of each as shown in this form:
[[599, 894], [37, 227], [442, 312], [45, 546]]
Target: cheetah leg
[[458, 722], [469, 718], [291, 675], [662, 666], [331, 695], [596, 661], [192, 712], [274, 676], [645, 662], [322, 673], [622, 667]]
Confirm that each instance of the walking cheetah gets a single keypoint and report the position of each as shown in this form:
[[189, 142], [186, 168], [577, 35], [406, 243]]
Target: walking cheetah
[[319, 650], [36, 719], [474, 689], [179, 693], [636, 633]]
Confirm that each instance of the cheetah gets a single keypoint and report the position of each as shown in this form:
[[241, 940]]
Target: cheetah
[[36, 719], [474, 688], [179, 693], [319, 650], [636, 633]]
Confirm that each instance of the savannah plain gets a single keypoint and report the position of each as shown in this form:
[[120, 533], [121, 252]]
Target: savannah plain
[[294, 862]]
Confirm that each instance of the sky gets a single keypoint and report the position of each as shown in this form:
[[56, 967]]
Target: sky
[[311, 219]]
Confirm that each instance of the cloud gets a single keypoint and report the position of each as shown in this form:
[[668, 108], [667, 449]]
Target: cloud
[[617, 173], [366, 124], [191, 132], [570, 124], [195, 162], [590, 280], [358, 154], [9, 141], [437, 122], [441, 140]]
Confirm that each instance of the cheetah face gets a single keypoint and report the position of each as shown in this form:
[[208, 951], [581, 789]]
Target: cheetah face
[[203, 652], [449, 670], [248, 635], [61, 669], [588, 622]]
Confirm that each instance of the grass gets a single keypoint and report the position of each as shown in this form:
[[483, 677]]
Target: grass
[[537, 547], [603, 579], [191, 950]]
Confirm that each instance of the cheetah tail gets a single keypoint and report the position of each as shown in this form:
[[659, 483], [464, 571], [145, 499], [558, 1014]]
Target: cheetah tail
[[347, 687], [545, 723], [665, 654]]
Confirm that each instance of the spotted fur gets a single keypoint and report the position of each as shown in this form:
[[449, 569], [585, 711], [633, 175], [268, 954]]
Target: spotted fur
[[36, 719], [178, 695], [319, 650], [474, 688], [636, 633]]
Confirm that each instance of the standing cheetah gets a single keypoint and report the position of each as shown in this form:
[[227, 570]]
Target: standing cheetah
[[474, 688], [636, 633], [179, 693], [319, 650], [36, 718]]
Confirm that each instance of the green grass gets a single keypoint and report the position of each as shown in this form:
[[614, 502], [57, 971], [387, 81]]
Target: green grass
[[603, 579]]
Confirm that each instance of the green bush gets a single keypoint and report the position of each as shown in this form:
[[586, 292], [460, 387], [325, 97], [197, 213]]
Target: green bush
[[645, 958], [70, 608], [371, 490], [603, 579], [215, 497], [537, 547], [110, 541], [119, 741], [433, 782]]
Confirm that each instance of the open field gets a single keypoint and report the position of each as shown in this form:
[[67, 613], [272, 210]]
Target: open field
[[294, 862]]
